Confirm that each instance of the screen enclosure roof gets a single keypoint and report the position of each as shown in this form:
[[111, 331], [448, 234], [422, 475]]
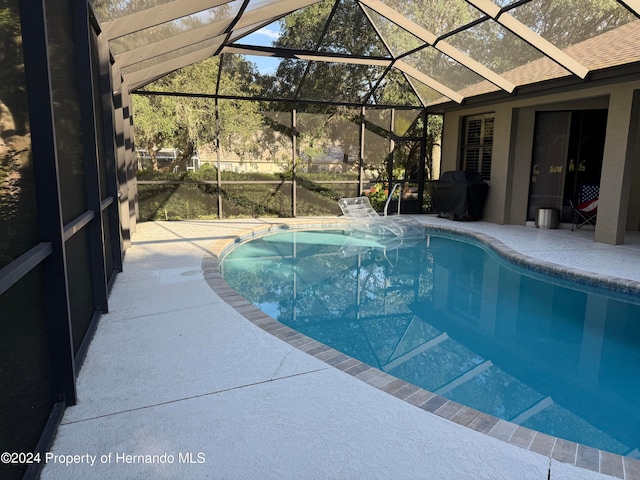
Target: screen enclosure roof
[[437, 51]]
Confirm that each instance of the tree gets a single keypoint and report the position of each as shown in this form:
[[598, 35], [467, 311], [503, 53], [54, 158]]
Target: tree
[[154, 124], [17, 187], [187, 123], [12, 91], [343, 29], [348, 32], [567, 22]]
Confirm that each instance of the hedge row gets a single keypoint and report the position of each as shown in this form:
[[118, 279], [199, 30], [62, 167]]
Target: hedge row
[[198, 200]]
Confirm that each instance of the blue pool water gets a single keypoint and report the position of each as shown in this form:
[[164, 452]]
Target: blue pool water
[[449, 315]]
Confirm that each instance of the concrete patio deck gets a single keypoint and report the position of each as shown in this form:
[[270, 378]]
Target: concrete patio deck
[[177, 384]]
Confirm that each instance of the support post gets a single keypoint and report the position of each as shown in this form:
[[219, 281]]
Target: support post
[[423, 160], [361, 155], [86, 86], [108, 133], [392, 146], [219, 175], [294, 143], [217, 139], [617, 166], [45, 164]]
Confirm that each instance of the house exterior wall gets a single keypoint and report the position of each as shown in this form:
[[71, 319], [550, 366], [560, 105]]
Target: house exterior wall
[[513, 147]]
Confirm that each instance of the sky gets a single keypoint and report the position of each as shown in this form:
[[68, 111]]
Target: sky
[[264, 37]]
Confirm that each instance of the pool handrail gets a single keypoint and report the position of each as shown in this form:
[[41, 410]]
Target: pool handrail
[[386, 205]]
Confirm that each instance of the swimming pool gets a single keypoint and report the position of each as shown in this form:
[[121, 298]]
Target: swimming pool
[[449, 315]]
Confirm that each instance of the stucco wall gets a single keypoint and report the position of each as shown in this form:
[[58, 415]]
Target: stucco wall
[[513, 146]]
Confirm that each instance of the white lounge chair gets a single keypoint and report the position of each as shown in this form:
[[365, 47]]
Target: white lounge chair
[[363, 218]]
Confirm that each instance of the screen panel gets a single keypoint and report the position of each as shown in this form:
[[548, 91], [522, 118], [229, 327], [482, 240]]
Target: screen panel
[[568, 22], [80, 284], [67, 114], [438, 17], [26, 400], [18, 212], [339, 82], [398, 40]]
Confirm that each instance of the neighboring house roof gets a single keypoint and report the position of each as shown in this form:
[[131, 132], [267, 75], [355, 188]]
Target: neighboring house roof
[[617, 47]]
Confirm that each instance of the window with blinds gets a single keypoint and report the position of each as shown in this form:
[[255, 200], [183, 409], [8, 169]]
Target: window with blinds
[[477, 144]]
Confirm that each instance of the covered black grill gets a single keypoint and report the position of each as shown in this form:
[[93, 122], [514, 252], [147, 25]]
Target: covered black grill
[[459, 195]]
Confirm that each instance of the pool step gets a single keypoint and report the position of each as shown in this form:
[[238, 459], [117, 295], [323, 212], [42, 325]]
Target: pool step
[[533, 410], [412, 353], [464, 378]]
